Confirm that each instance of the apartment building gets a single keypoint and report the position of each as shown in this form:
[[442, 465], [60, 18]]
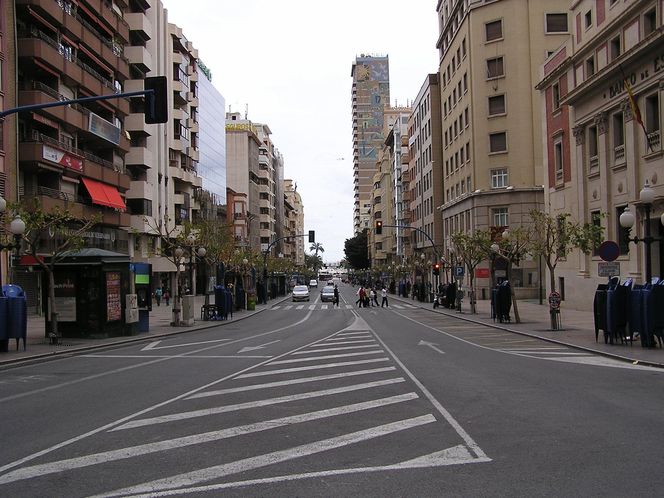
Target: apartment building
[[490, 54], [426, 171], [8, 158], [370, 94], [242, 173], [293, 199], [72, 157], [600, 149]]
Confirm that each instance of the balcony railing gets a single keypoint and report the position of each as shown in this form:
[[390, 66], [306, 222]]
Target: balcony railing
[[654, 141], [593, 164], [619, 154]]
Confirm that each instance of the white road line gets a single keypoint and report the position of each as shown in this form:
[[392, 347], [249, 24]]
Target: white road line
[[326, 357], [299, 306], [553, 354], [218, 471], [397, 306], [312, 306], [349, 306], [311, 367], [301, 380], [185, 356], [276, 307], [543, 348], [206, 437], [336, 343], [254, 404], [353, 334], [288, 307], [325, 350]]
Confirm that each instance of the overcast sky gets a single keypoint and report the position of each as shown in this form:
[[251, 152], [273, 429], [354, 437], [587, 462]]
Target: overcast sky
[[289, 62]]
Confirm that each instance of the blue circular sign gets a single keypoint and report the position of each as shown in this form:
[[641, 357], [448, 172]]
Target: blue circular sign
[[609, 250]]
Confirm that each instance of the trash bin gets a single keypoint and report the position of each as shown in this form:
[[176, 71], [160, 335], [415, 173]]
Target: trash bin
[[617, 305], [17, 314], [635, 318], [504, 301], [653, 315], [4, 331], [251, 301], [599, 311]]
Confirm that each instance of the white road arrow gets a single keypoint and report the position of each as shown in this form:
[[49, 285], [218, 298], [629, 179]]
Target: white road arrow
[[155, 345], [431, 345], [254, 348]]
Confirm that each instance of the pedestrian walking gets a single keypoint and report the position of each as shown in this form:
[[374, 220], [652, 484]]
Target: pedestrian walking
[[336, 296], [167, 297], [383, 301], [361, 296], [157, 295], [374, 297]]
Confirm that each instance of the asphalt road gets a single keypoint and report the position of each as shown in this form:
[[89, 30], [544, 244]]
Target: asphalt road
[[307, 400]]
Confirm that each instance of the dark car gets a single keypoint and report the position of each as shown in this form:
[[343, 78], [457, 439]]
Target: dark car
[[327, 294]]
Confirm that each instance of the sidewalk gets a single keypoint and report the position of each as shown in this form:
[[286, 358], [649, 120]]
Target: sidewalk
[[577, 330], [38, 346]]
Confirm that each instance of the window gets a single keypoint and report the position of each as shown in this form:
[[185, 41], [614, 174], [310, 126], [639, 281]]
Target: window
[[589, 19], [556, 96], [465, 117], [494, 67], [499, 178], [614, 48], [618, 130], [500, 217], [590, 67], [498, 142], [496, 105], [652, 113], [558, 161], [556, 23], [649, 22], [465, 82], [592, 141], [494, 30]]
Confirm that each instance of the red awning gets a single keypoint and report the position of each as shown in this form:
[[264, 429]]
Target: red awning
[[104, 195]]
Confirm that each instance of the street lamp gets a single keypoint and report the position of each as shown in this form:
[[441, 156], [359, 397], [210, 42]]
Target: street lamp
[[16, 227], [627, 220], [200, 252]]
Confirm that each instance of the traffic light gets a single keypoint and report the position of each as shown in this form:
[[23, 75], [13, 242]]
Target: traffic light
[[379, 227], [436, 268], [156, 102], [312, 236]]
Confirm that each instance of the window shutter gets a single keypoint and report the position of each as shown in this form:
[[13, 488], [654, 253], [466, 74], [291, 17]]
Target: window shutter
[[494, 30], [556, 23]]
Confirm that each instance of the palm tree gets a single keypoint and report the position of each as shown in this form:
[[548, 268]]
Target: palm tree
[[316, 247]]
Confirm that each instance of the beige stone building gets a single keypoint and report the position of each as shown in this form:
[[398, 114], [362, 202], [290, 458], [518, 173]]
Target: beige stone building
[[490, 54], [598, 156], [294, 248]]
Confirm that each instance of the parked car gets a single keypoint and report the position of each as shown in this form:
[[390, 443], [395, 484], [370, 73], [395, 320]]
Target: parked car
[[327, 293], [313, 283], [300, 293]]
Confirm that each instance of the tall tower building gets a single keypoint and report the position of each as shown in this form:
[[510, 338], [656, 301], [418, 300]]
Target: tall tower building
[[370, 93]]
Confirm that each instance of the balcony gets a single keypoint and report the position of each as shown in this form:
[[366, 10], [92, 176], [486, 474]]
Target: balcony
[[192, 124], [136, 122], [139, 57], [139, 24], [140, 190], [139, 156], [193, 153], [74, 115]]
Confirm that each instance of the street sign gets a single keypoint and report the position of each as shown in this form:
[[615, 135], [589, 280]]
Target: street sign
[[554, 300], [608, 269], [482, 273], [609, 250], [459, 271]]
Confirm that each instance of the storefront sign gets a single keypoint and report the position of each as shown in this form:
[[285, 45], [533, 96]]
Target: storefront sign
[[62, 158], [65, 299], [482, 273], [113, 303]]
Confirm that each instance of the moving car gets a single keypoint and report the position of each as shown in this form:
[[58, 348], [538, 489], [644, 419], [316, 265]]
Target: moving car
[[327, 294], [300, 293], [313, 283]]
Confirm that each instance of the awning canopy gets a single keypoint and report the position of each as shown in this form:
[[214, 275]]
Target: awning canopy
[[104, 195]]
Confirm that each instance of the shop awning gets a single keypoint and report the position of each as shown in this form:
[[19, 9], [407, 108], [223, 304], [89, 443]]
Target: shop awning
[[103, 194]]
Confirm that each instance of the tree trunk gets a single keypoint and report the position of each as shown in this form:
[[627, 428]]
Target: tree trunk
[[51, 302], [473, 305], [552, 276], [176, 300]]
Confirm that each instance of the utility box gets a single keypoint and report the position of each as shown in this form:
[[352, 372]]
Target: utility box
[[187, 310]]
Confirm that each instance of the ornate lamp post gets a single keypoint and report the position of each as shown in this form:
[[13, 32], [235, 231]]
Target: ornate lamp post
[[16, 227], [200, 252], [627, 220]]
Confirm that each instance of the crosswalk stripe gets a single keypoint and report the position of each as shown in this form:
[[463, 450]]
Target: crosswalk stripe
[[206, 437], [397, 306], [323, 306], [363, 341], [299, 306], [288, 307], [312, 306], [349, 306], [203, 475], [301, 380], [254, 404], [326, 357], [311, 367], [276, 307], [325, 350]]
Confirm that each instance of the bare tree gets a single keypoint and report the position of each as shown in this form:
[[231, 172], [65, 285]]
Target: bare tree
[[472, 249], [514, 248]]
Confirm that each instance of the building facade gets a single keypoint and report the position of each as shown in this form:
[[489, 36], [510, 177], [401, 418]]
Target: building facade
[[598, 154], [490, 53], [295, 221], [370, 94]]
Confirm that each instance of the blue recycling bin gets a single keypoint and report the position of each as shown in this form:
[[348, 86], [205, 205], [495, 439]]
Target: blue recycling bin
[[4, 330], [636, 307], [599, 311], [17, 313], [653, 315], [617, 305]]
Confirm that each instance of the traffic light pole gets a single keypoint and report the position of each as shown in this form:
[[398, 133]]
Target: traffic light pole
[[82, 100]]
